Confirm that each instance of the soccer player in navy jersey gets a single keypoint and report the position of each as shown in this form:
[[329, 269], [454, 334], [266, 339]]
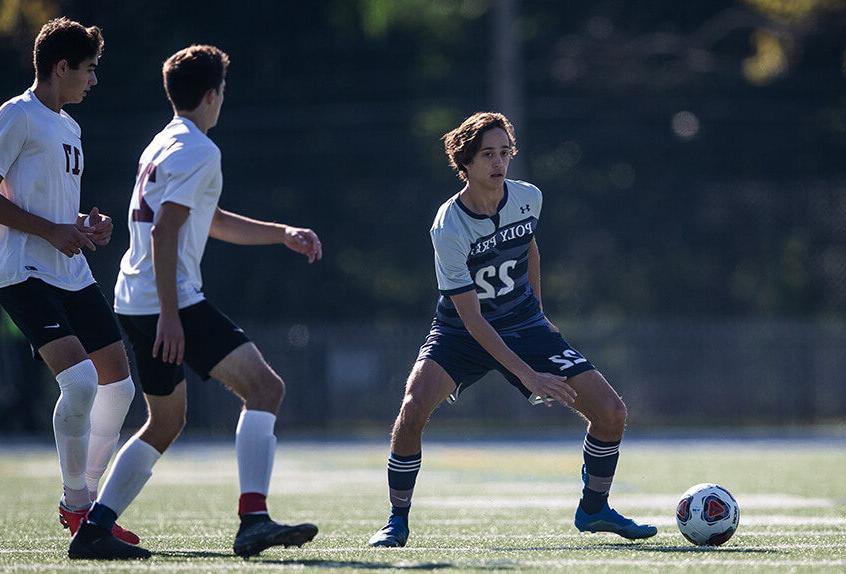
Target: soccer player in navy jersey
[[490, 317]]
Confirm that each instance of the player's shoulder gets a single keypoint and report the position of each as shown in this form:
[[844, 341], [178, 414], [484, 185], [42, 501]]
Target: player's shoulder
[[446, 216], [523, 189], [184, 145], [16, 108]]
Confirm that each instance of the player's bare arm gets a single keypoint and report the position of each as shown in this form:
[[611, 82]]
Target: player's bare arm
[[542, 384], [233, 228], [170, 338], [66, 238]]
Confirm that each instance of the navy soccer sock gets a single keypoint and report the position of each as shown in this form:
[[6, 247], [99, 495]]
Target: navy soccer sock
[[102, 516], [402, 474], [600, 463]]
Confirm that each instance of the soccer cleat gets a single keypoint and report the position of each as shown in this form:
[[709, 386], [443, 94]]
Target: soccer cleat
[[609, 520], [94, 543], [256, 537], [71, 520], [393, 535]]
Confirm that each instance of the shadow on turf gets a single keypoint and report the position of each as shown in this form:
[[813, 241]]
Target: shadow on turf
[[192, 554], [319, 563], [360, 565], [646, 548]]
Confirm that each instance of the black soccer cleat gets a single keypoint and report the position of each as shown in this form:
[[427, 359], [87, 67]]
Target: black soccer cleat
[[393, 535], [94, 543], [256, 537]]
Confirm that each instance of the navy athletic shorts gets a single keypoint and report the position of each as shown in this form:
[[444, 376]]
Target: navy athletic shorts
[[45, 313], [209, 337], [464, 359]]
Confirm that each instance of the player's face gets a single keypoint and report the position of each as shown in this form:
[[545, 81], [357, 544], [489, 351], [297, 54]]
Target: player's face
[[490, 164], [77, 82]]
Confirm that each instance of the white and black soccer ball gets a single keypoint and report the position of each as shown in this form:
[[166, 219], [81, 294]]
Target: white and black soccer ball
[[707, 515]]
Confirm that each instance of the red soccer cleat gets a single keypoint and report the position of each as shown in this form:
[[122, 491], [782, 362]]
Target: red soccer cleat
[[71, 519]]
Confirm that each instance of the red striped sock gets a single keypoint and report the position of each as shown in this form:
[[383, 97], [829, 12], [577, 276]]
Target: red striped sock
[[252, 503]]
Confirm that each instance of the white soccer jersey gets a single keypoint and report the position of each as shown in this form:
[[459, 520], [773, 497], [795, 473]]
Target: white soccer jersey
[[181, 165], [41, 163], [488, 254]]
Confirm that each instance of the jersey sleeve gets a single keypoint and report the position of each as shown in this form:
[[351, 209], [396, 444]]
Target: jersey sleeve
[[540, 202], [13, 134], [451, 263], [188, 176]]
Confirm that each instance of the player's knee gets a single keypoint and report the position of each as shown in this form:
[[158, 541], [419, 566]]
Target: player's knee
[[78, 385], [265, 391], [615, 415], [274, 389], [413, 413]]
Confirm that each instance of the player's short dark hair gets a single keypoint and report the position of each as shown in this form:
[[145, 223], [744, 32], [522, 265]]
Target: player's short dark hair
[[191, 72], [64, 39], [464, 142]]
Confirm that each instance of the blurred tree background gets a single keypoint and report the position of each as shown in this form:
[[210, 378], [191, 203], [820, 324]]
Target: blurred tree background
[[691, 154]]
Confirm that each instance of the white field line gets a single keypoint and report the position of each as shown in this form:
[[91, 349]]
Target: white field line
[[744, 533], [762, 520], [748, 502]]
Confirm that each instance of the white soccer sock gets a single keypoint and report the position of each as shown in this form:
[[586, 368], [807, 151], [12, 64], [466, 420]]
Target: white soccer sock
[[107, 415], [132, 469], [71, 426], [255, 446]]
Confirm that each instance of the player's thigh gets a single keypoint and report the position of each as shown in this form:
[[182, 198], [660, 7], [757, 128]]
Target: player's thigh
[[596, 399], [156, 377], [111, 363], [211, 342], [38, 311], [428, 385], [96, 327], [244, 370], [61, 354], [545, 351]]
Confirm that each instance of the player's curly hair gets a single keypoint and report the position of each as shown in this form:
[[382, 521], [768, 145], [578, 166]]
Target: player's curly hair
[[64, 39], [191, 72], [462, 143]]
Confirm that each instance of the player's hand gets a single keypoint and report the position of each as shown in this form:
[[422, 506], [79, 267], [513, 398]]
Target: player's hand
[[551, 388], [303, 241], [70, 238], [99, 225], [170, 339]]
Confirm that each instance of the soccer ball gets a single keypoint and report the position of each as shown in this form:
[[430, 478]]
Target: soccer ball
[[707, 514]]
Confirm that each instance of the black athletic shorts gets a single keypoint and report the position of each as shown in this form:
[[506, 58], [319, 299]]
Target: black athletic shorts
[[209, 337], [464, 359], [45, 313]]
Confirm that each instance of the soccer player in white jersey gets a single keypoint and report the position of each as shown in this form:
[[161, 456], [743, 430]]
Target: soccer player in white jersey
[[160, 303], [489, 317], [46, 285]]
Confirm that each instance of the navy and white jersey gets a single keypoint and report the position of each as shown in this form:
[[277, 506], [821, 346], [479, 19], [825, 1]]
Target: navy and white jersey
[[488, 254]]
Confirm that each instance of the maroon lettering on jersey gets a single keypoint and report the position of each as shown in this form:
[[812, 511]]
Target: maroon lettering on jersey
[[144, 212]]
